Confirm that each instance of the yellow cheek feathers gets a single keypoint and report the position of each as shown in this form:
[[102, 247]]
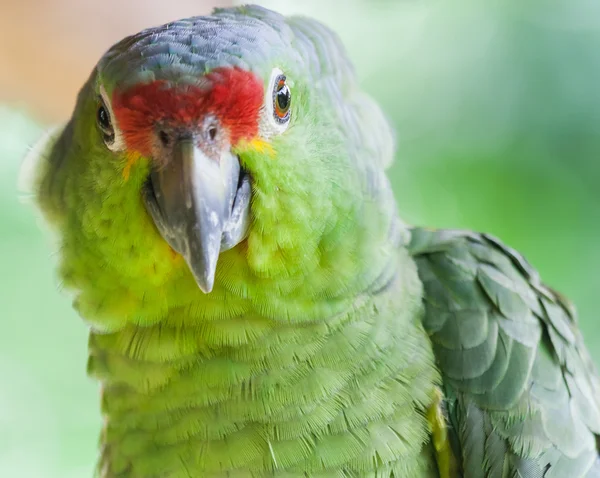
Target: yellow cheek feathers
[[258, 145], [132, 158], [262, 147]]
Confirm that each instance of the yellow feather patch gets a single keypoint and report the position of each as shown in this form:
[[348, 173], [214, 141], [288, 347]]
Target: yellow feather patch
[[257, 144], [262, 147], [132, 158], [439, 432]]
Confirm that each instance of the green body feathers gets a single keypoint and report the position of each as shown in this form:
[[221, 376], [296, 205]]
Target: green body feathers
[[345, 395], [318, 352]]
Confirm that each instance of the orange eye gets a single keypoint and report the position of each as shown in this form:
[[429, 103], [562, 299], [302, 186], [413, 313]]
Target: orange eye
[[282, 100]]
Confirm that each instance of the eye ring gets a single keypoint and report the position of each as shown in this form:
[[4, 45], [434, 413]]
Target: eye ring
[[282, 99], [105, 123], [276, 112]]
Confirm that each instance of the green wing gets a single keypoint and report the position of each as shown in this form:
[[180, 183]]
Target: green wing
[[522, 394]]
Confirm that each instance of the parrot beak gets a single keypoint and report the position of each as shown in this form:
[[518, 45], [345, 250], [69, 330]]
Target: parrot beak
[[200, 205]]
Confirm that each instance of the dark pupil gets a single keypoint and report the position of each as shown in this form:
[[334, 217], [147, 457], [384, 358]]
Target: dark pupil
[[283, 98], [103, 119]]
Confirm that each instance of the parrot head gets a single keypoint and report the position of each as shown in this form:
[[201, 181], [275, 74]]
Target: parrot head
[[232, 152]]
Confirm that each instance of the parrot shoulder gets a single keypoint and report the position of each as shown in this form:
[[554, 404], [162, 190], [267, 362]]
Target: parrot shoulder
[[522, 396]]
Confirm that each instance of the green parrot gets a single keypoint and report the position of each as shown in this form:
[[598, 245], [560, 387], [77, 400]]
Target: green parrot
[[256, 305]]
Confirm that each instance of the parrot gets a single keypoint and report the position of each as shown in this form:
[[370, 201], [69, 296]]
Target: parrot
[[256, 305]]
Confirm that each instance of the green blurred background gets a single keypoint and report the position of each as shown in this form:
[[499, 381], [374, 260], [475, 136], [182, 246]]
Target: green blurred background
[[497, 110]]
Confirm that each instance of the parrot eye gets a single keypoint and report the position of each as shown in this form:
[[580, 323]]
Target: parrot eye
[[277, 105], [105, 124], [282, 99]]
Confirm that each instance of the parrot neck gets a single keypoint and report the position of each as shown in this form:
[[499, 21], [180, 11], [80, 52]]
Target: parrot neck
[[245, 393]]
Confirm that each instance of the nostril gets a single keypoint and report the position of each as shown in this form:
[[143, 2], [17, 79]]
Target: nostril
[[164, 138], [212, 132]]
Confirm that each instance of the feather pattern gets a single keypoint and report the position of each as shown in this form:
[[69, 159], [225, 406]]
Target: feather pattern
[[524, 392]]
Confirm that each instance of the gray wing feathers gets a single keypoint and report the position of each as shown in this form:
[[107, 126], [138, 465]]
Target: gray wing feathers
[[526, 394]]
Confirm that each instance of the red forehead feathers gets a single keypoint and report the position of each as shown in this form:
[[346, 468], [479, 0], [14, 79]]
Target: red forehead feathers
[[233, 95]]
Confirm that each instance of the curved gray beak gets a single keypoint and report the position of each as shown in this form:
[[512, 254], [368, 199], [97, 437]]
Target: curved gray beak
[[200, 206]]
